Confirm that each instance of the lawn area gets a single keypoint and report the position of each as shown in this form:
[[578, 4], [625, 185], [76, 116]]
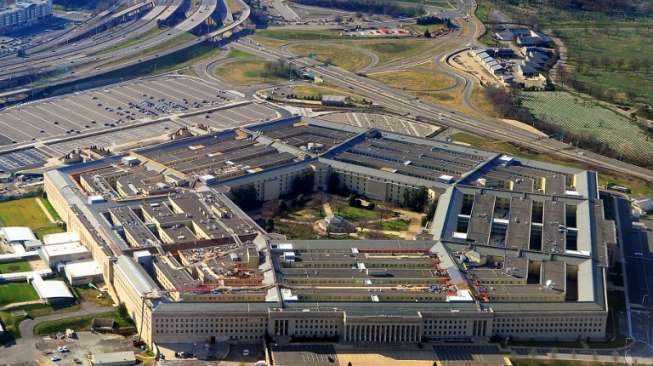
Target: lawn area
[[586, 117], [346, 57], [396, 225], [246, 69], [89, 294], [51, 210], [12, 322], [47, 229], [308, 214], [354, 214], [439, 88], [16, 292], [297, 34], [317, 91], [393, 50], [624, 43], [80, 323], [421, 80], [22, 212], [20, 266]]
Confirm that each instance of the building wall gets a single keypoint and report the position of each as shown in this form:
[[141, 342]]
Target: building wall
[[208, 327], [551, 326], [14, 17], [139, 312]]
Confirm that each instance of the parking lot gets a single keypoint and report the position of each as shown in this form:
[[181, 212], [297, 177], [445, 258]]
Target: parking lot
[[234, 117], [315, 355], [384, 122], [82, 347], [22, 159], [107, 108], [220, 353]]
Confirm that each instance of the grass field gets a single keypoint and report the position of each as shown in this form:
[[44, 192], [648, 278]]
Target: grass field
[[51, 210], [421, 80], [91, 295], [276, 37], [313, 91], [623, 42], [346, 57], [581, 116], [308, 214], [48, 229], [80, 323], [354, 214], [11, 322], [27, 212], [439, 87], [394, 50], [22, 212], [396, 225], [246, 69], [16, 292], [20, 266]]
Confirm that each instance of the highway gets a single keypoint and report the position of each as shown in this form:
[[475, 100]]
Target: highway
[[87, 56], [398, 101]]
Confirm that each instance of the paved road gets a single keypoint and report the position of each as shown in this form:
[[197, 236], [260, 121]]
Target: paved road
[[484, 126], [24, 348]]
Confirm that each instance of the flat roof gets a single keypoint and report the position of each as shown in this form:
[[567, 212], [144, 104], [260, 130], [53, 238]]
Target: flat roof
[[17, 233], [51, 289]]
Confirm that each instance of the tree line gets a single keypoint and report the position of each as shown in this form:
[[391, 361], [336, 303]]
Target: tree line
[[433, 20], [385, 7], [628, 8]]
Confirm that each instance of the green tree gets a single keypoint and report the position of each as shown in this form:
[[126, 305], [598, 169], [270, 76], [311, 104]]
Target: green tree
[[245, 197]]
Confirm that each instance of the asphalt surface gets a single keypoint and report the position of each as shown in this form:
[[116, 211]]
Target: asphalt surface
[[24, 348]]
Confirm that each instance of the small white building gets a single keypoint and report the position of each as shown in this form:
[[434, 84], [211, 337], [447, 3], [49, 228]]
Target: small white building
[[32, 245], [126, 358], [60, 238], [17, 234], [64, 253], [52, 291], [83, 273]]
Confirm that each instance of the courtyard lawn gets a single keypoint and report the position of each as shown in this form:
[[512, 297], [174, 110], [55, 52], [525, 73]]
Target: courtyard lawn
[[16, 292], [23, 212], [20, 266]]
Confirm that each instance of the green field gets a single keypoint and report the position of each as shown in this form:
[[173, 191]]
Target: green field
[[16, 292], [344, 53], [20, 266], [354, 214], [246, 69], [396, 225], [23, 212], [585, 117], [79, 323], [27, 212], [347, 57]]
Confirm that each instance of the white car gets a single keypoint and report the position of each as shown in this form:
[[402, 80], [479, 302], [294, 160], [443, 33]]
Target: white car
[[245, 352], [55, 358]]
